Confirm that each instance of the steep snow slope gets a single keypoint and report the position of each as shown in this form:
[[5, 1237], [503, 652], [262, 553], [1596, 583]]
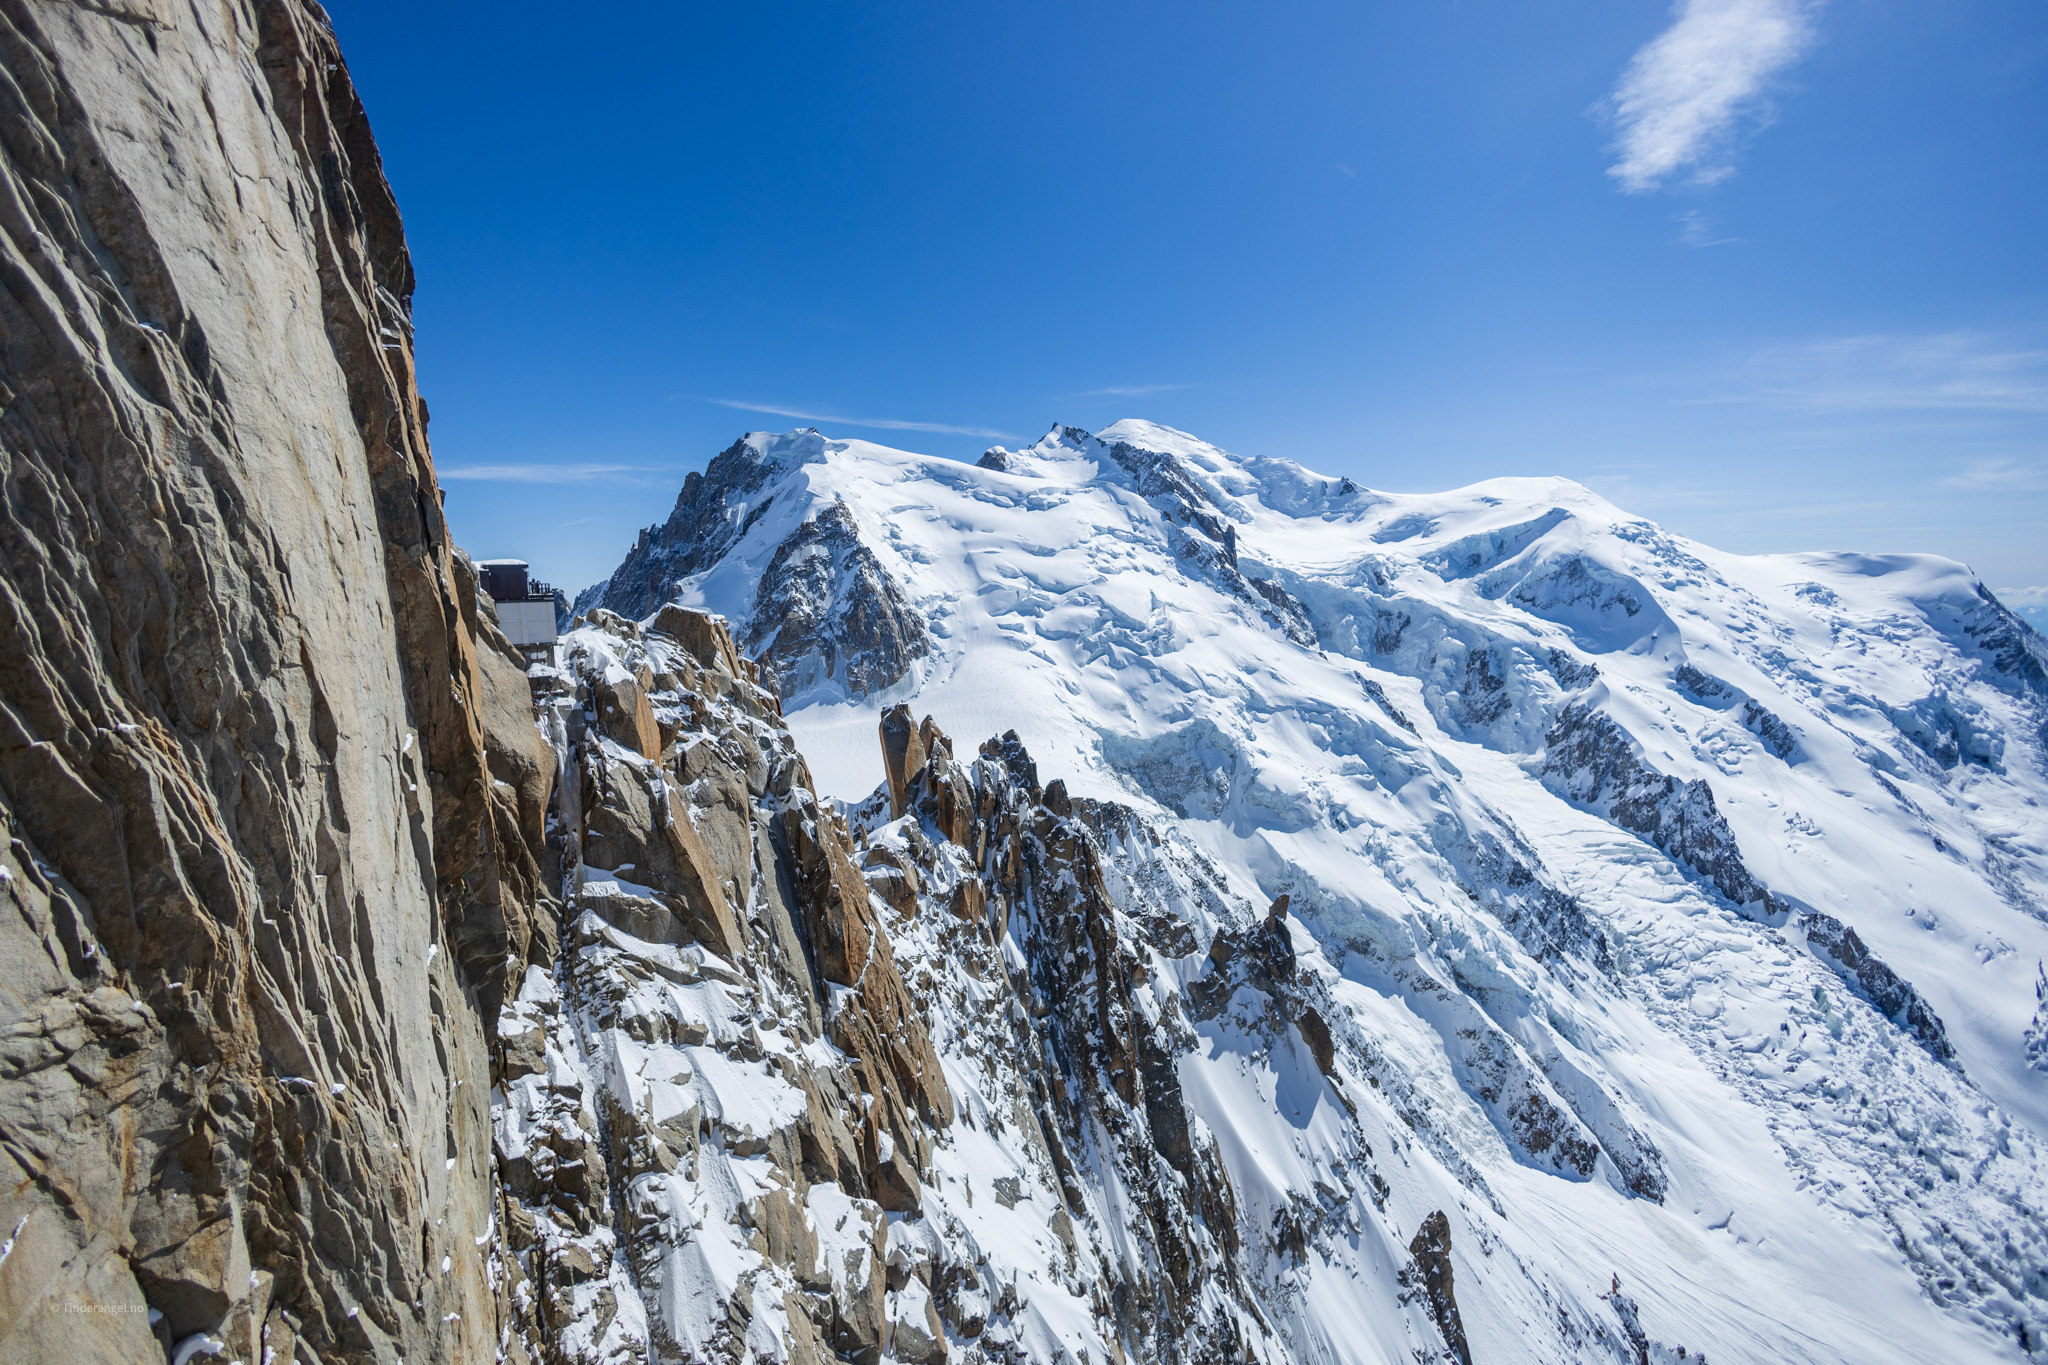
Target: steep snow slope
[[1689, 906]]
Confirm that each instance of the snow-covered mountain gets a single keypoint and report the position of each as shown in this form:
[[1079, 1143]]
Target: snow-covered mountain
[[1660, 952]]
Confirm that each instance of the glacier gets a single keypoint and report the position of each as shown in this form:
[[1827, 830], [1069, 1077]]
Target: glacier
[[1559, 939]]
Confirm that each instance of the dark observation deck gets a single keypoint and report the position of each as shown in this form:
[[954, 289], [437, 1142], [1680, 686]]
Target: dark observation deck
[[526, 606]]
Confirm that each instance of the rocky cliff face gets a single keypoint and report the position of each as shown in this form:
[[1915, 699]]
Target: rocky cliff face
[[724, 1036], [274, 799]]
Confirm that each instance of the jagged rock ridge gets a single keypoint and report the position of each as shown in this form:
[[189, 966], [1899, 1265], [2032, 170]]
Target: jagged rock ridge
[[995, 1156]]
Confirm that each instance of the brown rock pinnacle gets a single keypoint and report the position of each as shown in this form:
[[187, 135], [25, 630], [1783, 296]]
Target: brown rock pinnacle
[[903, 757]]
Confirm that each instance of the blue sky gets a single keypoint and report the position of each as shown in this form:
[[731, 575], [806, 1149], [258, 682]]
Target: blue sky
[[1772, 272]]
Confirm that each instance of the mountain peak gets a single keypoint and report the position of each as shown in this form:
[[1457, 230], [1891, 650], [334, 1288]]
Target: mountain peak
[[1530, 768], [1136, 431]]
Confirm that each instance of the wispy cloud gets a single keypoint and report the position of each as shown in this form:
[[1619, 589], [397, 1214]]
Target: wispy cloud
[[874, 423], [2002, 475], [1687, 93], [1696, 230], [1132, 391], [545, 473], [1960, 370]]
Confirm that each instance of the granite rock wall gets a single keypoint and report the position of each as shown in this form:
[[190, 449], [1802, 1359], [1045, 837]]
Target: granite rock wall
[[273, 793]]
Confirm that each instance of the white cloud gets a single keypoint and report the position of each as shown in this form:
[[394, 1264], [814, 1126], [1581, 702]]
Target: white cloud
[[1687, 92], [881, 423], [1961, 370], [542, 473], [2002, 475], [1695, 229]]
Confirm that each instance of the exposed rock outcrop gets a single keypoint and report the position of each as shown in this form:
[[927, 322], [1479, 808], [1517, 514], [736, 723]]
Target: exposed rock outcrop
[[826, 612], [1637, 1341], [2035, 1041], [725, 997], [713, 510], [1893, 996], [1706, 690], [273, 793], [1590, 759], [1165, 481], [1993, 630], [1433, 1279], [1085, 1052]]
